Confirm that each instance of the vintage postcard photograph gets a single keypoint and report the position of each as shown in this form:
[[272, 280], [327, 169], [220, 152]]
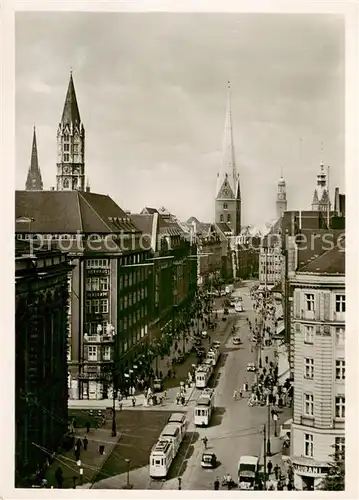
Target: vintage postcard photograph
[[180, 251]]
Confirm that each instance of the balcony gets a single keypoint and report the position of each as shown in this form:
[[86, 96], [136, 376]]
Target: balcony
[[98, 338]]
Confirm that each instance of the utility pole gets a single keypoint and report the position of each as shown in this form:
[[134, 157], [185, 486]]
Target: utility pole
[[268, 437], [264, 458]]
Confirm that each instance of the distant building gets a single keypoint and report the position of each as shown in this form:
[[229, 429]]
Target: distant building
[[34, 180], [281, 203], [318, 429], [41, 301], [270, 257], [321, 201], [228, 193]]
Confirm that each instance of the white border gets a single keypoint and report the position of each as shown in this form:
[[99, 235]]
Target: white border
[[7, 152]]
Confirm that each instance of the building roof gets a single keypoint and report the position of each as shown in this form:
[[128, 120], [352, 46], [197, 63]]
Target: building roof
[[330, 262], [69, 212], [71, 112], [313, 243], [148, 210], [193, 219], [224, 228]]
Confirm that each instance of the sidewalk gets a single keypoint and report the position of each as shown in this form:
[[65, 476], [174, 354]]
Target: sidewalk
[[102, 404]]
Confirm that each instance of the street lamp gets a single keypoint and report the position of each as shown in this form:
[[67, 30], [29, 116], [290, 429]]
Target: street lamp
[[128, 485]]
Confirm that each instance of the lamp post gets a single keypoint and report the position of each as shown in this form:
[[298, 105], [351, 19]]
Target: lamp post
[[128, 485], [269, 453], [110, 330]]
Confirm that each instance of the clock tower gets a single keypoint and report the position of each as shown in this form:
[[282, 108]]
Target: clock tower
[[228, 194], [70, 145], [281, 197]]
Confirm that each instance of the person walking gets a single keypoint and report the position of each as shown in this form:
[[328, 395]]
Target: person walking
[[235, 395], [276, 471], [59, 477], [87, 427], [85, 443], [216, 484], [205, 442], [240, 393], [133, 401], [269, 468]]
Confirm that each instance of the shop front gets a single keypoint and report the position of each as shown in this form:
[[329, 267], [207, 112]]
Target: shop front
[[308, 474]]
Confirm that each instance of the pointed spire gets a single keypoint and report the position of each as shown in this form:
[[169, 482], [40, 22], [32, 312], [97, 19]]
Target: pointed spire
[[228, 159], [34, 181], [71, 112]]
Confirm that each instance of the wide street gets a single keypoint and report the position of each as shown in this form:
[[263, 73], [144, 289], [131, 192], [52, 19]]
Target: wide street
[[240, 429]]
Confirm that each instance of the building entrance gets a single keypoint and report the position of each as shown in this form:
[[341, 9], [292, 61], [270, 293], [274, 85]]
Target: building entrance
[[308, 483]]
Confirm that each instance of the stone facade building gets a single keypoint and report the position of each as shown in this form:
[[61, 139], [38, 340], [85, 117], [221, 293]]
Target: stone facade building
[[41, 327], [318, 429]]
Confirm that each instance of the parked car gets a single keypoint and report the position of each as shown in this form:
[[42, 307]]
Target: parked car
[[208, 460], [216, 343], [157, 385], [236, 340], [251, 367]]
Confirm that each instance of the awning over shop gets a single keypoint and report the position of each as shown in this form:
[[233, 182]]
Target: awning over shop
[[280, 328]]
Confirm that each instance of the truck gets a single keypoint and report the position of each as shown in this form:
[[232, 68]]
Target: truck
[[248, 467]]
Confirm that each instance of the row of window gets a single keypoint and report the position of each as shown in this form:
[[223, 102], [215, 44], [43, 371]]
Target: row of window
[[136, 336], [339, 368], [92, 327], [131, 319], [309, 406], [339, 445], [132, 298], [228, 218], [339, 302], [309, 334], [97, 263], [67, 148], [130, 279], [97, 284], [94, 352], [96, 306]]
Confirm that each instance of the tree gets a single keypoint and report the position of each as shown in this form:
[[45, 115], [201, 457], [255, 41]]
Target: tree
[[335, 478]]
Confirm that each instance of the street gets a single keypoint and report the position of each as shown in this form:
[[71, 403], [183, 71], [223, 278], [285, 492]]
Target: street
[[239, 431]]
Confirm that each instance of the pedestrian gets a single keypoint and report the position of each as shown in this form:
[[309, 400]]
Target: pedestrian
[[133, 401], [269, 468], [183, 400], [240, 393], [87, 427], [85, 443], [165, 394], [59, 477], [121, 404], [235, 395], [205, 442], [77, 454], [277, 471], [216, 484], [266, 358]]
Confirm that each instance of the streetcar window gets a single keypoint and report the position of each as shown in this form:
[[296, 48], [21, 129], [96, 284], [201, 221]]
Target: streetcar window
[[158, 462]]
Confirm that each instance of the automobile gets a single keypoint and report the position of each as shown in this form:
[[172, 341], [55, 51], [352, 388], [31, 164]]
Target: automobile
[[208, 460], [204, 334], [239, 307], [251, 367], [236, 340], [216, 343], [232, 304], [157, 385]]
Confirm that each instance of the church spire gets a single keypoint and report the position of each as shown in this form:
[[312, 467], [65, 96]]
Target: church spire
[[71, 112], [70, 145], [34, 181], [228, 165]]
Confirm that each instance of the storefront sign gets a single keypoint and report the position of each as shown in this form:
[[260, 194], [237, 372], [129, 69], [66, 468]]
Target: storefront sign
[[309, 469]]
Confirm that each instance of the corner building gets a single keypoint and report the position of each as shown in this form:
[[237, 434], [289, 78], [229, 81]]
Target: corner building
[[318, 428]]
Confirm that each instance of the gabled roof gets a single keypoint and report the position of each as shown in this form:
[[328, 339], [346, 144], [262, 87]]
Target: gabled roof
[[224, 228], [71, 112], [329, 263], [193, 219], [70, 212], [148, 210]]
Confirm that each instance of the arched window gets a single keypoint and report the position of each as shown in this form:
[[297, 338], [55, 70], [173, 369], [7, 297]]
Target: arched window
[[221, 218], [228, 217], [66, 183]]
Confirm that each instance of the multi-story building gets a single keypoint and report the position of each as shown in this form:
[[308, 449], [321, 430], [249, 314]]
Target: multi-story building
[[41, 287], [34, 180], [172, 280], [318, 428], [270, 257], [109, 286]]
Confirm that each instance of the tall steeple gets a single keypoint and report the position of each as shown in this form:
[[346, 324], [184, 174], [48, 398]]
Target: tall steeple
[[228, 194], [34, 181], [70, 145], [321, 199], [281, 196]]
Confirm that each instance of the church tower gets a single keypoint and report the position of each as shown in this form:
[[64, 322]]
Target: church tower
[[281, 197], [34, 181], [228, 194], [321, 201], [70, 145]]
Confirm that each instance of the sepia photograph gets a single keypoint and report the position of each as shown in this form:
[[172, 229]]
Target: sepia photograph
[[180, 283]]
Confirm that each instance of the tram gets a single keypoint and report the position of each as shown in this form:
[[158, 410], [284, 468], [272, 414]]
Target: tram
[[204, 408]]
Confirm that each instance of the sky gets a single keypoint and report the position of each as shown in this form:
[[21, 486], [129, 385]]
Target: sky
[[151, 89]]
